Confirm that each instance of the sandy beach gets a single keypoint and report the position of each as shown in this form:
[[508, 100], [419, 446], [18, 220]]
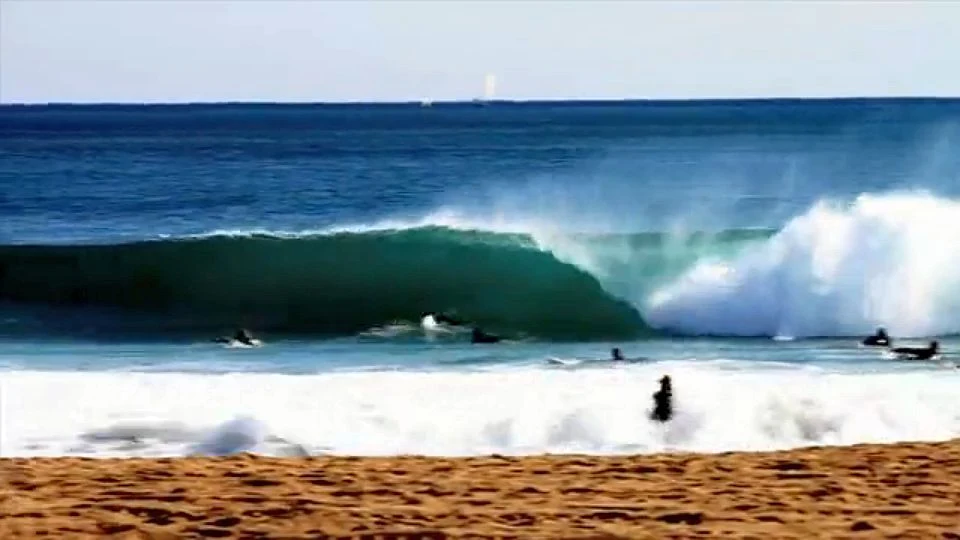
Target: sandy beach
[[904, 490]]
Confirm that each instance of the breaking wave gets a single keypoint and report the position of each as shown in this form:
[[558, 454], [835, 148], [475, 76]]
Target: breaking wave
[[838, 269]]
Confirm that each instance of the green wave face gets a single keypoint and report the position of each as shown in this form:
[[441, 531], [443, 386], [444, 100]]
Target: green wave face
[[337, 284]]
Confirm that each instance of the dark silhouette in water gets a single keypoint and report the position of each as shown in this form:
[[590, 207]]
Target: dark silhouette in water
[[241, 336], [663, 401], [918, 353], [451, 320], [880, 339], [479, 336], [616, 355]]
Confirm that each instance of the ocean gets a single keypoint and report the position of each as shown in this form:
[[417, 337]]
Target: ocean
[[741, 247]]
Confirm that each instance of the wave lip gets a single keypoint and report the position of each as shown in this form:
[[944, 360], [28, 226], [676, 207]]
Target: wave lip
[[837, 270], [338, 283]]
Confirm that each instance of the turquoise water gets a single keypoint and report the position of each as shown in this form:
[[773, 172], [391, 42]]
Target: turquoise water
[[309, 357]]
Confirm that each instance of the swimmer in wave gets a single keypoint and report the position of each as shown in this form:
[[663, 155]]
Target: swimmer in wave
[[241, 336], [917, 353], [479, 336], [449, 320]]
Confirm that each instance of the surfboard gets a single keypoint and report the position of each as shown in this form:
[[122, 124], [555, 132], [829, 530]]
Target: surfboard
[[430, 325], [234, 344]]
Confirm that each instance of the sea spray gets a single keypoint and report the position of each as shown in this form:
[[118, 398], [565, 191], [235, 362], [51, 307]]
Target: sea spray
[[837, 270]]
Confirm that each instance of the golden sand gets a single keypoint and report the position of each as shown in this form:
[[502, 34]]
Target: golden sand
[[866, 491]]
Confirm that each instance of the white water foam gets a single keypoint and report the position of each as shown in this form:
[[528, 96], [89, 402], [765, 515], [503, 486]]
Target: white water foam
[[720, 407], [838, 270]]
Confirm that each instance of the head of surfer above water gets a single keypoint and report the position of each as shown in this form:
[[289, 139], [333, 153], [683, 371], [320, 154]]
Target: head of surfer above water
[[479, 336], [929, 352], [448, 319]]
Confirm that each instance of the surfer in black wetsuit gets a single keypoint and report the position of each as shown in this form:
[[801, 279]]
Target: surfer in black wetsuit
[[451, 320], [663, 401], [918, 353], [479, 336], [616, 355], [241, 336], [880, 339]]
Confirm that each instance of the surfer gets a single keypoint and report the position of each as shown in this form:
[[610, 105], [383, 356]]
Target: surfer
[[451, 320], [479, 336], [241, 336], [663, 401], [879, 339], [918, 353], [616, 355]]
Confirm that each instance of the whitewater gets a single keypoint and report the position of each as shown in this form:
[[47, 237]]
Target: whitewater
[[837, 270], [721, 407]]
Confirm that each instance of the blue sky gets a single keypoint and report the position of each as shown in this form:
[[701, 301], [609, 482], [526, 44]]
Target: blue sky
[[326, 50]]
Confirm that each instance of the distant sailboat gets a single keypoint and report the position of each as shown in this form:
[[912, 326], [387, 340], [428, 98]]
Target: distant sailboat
[[489, 88]]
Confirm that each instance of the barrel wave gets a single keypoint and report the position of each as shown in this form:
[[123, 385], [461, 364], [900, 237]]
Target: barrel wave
[[320, 284], [841, 268]]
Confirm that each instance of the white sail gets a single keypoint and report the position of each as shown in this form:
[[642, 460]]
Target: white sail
[[489, 86]]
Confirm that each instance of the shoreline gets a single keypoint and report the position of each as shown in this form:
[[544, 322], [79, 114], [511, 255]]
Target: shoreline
[[906, 489]]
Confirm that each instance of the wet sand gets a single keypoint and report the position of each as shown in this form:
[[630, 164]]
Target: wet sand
[[866, 491]]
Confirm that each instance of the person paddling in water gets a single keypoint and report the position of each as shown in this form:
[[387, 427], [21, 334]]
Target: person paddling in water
[[479, 336], [241, 336], [448, 319], [918, 353], [880, 339]]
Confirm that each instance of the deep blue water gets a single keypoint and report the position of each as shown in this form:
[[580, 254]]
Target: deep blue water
[[96, 173]]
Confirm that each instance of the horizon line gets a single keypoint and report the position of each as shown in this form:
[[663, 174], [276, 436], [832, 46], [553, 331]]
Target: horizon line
[[472, 101]]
